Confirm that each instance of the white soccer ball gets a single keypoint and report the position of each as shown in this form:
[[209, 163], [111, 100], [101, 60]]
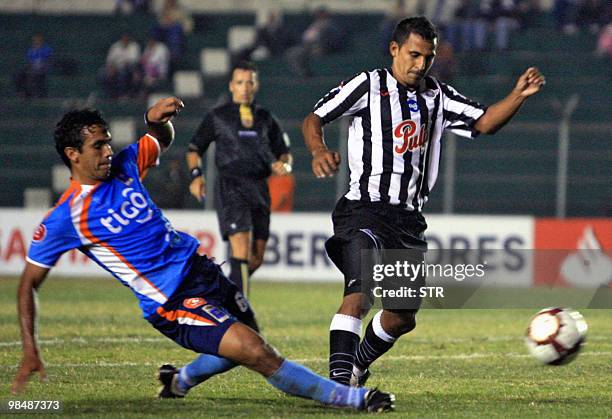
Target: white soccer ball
[[555, 335]]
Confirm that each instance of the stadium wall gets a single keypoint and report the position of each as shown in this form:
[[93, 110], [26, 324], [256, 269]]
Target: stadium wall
[[296, 248]]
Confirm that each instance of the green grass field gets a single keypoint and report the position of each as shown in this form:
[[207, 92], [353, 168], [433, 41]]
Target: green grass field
[[102, 358]]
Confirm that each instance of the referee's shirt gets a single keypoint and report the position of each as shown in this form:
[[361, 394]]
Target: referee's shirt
[[241, 151], [394, 134]]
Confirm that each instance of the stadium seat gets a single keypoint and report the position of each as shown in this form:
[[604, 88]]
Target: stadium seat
[[239, 37], [214, 61], [154, 97], [60, 178], [123, 131], [188, 84], [37, 198]]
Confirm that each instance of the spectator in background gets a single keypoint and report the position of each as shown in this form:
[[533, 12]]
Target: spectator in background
[[174, 24], [322, 37], [472, 16], [129, 7], [445, 64], [31, 81], [604, 43], [591, 15], [273, 36], [119, 76], [397, 13], [506, 19], [154, 64], [564, 13]]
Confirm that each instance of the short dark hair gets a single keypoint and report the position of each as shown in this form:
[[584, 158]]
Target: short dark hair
[[68, 130], [419, 25], [243, 65]]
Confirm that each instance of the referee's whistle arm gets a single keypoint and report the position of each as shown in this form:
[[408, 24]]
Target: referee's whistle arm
[[198, 188]]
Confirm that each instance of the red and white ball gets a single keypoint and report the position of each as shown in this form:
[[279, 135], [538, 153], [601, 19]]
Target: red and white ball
[[555, 335]]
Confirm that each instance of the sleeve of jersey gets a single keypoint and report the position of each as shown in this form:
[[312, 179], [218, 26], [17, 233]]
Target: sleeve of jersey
[[346, 99], [148, 154], [460, 113], [279, 141], [204, 136], [52, 238]]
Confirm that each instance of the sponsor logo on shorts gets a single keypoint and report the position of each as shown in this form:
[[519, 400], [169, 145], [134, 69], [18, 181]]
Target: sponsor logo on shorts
[[216, 313], [40, 233], [194, 302]]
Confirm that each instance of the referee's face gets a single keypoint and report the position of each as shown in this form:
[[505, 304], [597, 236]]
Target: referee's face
[[243, 86], [412, 60]]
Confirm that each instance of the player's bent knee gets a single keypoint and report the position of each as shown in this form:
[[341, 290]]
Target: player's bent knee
[[354, 305], [264, 359], [407, 323]]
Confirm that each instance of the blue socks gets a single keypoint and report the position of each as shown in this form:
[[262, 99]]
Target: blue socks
[[298, 380], [201, 369]]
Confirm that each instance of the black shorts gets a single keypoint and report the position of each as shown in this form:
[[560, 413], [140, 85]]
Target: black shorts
[[243, 204], [371, 228]]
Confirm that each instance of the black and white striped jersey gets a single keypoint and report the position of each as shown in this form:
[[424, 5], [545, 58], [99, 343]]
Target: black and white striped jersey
[[394, 134]]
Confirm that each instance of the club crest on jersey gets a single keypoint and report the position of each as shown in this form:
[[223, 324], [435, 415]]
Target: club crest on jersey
[[40, 233], [413, 105], [406, 132], [194, 302]]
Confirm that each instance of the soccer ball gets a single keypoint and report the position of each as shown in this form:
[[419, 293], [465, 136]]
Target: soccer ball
[[555, 335]]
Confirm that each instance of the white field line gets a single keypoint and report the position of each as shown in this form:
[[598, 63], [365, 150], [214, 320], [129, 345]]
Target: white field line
[[103, 364], [86, 341]]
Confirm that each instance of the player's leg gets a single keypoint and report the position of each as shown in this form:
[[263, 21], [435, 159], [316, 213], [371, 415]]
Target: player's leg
[[398, 318], [345, 328], [381, 333], [245, 347], [177, 382], [235, 225], [257, 255], [260, 220], [240, 244]]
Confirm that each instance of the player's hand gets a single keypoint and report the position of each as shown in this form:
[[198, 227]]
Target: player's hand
[[198, 188], [530, 82], [164, 110], [325, 163], [29, 365], [280, 168]]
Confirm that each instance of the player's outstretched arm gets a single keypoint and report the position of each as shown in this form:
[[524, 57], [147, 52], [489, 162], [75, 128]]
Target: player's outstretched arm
[[158, 119], [31, 279], [498, 114], [324, 162]]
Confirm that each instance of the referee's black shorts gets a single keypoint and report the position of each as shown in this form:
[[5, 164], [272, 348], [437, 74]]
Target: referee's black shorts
[[243, 204], [375, 227]]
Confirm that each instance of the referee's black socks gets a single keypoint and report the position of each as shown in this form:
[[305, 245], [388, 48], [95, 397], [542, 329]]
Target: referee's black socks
[[239, 274], [344, 335]]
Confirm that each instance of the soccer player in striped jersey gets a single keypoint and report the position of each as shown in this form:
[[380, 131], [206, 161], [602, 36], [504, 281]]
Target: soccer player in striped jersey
[[398, 115], [108, 215]]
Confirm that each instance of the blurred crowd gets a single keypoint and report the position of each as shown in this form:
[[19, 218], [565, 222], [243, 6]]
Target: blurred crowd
[[133, 70]]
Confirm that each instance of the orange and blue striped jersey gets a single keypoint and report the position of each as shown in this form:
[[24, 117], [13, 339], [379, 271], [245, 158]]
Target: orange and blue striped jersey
[[117, 225]]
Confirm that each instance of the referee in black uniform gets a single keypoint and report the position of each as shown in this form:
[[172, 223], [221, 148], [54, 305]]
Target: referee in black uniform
[[397, 116], [250, 145]]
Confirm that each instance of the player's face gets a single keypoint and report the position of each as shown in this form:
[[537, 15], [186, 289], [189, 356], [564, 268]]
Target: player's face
[[243, 86], [92, 163], [412, 60]]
